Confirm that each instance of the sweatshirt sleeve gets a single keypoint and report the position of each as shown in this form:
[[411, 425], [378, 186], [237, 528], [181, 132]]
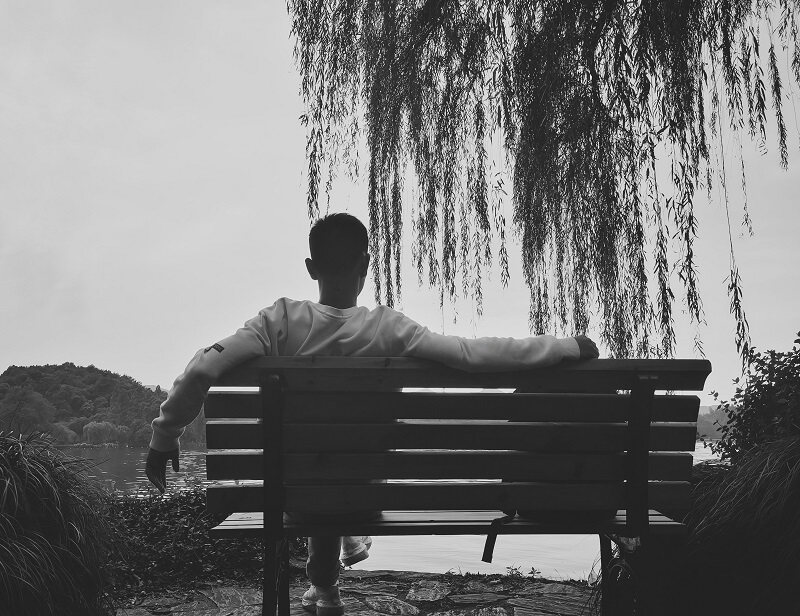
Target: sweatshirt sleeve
[[489, 354], [190, 389]]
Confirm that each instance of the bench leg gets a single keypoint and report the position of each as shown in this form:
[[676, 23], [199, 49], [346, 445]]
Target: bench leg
[[606, 587], [268, 587], [275, 587], [282, 561]]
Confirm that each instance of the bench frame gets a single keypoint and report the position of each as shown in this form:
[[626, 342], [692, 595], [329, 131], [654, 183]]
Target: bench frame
[[662, 537]]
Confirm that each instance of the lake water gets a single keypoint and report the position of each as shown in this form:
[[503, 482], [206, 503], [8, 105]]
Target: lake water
[[555, 556]]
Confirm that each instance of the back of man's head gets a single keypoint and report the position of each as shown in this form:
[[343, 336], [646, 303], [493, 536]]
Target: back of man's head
[[337, 242]]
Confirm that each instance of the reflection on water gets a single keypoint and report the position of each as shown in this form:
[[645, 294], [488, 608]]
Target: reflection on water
[[555, 556], [121, 469]]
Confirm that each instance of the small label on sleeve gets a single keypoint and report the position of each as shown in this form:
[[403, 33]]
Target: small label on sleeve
[[217, 347]]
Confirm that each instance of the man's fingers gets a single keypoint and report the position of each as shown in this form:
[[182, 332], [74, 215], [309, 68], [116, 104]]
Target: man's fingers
[[588, 348], [156, 466], [152, 475]]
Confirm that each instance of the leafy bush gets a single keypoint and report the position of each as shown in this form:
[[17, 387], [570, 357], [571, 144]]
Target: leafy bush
[[61, 434], [766, 407], [54, 531], [98, 432], [167, 544]]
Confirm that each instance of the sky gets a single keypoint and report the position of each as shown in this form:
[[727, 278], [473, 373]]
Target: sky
[[152, 196]]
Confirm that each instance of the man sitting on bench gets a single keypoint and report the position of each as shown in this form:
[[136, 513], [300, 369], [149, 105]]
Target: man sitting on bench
[[337, 326]]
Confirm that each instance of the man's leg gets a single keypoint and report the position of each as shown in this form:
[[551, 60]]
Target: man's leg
[[355, 549], [322, 568]]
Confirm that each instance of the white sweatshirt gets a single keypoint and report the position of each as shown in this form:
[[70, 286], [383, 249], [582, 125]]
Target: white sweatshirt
[[290, 327]]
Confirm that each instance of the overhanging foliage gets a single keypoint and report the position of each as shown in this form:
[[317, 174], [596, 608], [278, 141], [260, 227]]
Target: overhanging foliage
[[601, 118]]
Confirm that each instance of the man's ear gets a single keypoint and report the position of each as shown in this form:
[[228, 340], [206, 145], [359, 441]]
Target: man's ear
[[365, 265], [312, 269]]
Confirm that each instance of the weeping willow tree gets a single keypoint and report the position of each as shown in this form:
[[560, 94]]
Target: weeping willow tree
[[600, 120]]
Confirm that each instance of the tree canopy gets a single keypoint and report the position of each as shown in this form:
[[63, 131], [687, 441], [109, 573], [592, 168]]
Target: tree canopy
[[601, 119], [77, 404]]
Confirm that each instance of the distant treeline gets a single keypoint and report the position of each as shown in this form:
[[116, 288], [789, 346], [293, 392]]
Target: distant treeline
[[76, 404]]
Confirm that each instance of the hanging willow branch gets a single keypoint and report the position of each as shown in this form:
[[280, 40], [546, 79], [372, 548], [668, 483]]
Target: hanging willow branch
[[609, 114]]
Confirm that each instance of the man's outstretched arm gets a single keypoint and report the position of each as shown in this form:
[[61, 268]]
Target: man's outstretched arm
[[189, 392], [492, 354]]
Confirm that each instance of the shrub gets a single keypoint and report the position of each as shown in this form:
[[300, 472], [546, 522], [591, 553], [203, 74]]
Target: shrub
[[765, 408], [77, 424], [54, 531], [167, 544], [99, 432], [61, 434]]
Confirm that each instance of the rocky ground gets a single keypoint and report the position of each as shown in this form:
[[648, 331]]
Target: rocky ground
[[393, 593]]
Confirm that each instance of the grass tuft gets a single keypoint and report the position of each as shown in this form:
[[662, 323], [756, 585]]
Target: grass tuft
[[54, 531], [744, 546]]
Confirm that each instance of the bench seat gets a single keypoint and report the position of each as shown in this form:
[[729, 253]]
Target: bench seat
[[454, 522]]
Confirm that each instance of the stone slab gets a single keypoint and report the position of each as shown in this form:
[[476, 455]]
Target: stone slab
[[475, 586], [230, 597], [481, 597], [553, 604], [523, 611], [242, 610], [428, 590], [391, 605], [379, 588], [161, 605], [562, 589], [491, 611]]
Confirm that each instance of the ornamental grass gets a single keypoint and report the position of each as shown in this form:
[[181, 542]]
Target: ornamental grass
[[744, 545], [54, 531]]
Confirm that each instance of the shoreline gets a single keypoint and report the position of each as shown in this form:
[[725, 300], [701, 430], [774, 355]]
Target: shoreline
[[404, 593]]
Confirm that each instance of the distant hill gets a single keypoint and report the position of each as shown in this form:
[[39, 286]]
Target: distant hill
[[81, 404]]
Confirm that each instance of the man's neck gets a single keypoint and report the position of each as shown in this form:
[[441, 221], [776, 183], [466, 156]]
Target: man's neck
[[341, 305], [341, 297]]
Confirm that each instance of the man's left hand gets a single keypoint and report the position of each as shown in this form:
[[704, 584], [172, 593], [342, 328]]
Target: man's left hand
[[156, 467]]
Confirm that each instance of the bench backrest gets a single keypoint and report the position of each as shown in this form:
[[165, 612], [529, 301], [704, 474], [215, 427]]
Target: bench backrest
[[589, 436]]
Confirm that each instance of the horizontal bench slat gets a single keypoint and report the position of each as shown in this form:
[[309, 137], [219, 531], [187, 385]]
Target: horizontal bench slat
[[436, 522], [368, 373], [513, 466], [667, 496], [375, 406], [222, 404], [246, 434]]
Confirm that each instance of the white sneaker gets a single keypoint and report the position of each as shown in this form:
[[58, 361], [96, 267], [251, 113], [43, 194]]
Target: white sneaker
[[355, 549], [325, 601]]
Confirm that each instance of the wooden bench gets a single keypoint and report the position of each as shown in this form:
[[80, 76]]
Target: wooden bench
[[592, 435]]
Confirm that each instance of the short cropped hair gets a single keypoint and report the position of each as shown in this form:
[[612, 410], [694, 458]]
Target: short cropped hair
[[336, 242]]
